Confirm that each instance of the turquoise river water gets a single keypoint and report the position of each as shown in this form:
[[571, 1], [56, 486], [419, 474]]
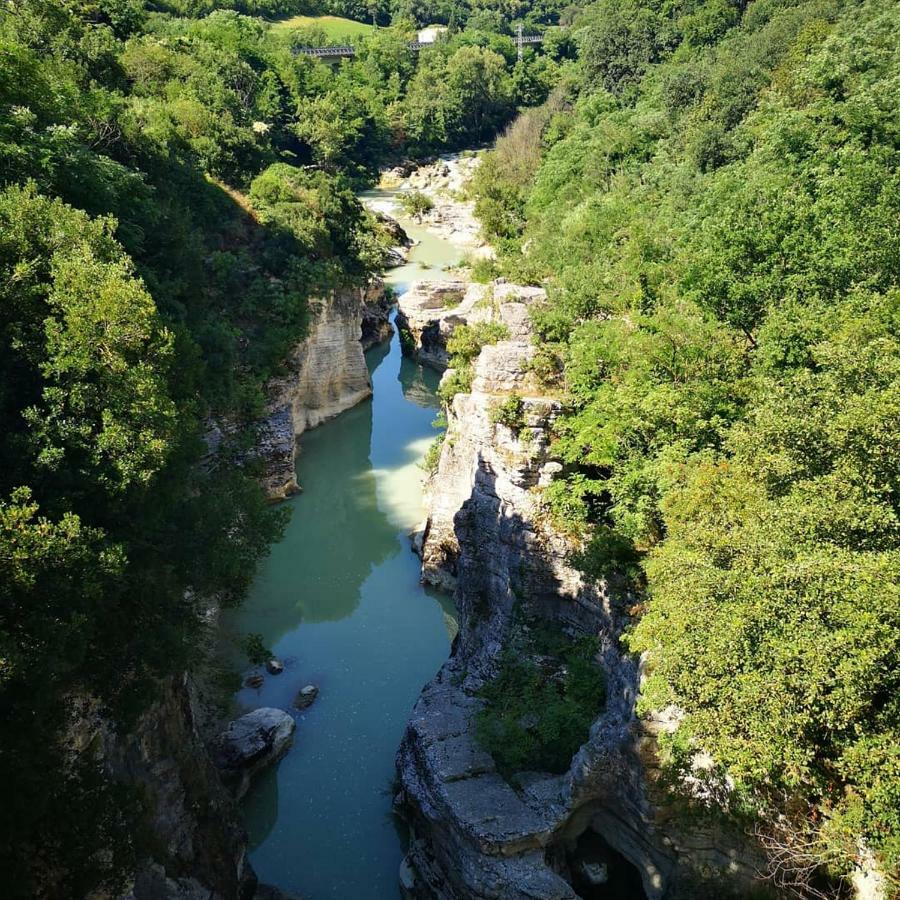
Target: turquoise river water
[[339, 600]]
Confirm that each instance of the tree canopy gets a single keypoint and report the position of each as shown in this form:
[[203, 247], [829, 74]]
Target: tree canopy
[[713, 205]]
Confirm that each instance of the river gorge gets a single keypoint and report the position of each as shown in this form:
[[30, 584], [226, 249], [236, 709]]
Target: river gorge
[[340, 601], [387, 772]]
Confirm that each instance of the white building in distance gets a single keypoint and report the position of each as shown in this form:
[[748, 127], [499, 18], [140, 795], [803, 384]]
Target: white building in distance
[[430, 34]]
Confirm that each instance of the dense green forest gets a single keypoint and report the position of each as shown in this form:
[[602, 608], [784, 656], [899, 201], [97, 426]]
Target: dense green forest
[[710, 191], [485, 15], [714, 204], [174, 188]]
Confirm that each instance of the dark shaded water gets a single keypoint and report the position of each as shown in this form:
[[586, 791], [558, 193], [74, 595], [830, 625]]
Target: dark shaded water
[[339, 600]]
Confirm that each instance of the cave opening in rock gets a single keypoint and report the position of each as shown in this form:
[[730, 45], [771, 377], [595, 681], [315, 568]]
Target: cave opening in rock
[[600, 872]]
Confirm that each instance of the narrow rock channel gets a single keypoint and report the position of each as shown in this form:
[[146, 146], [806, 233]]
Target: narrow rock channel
[[339, 601]]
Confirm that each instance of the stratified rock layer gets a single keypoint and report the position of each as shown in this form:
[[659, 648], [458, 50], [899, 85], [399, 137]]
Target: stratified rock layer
[[473, 834], [428, 313], [251, 743], [325, 374]]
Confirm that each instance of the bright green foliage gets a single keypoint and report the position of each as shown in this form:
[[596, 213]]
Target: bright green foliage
[[104, 533], [509, 412], [788, 551], [464, 345], [716, 213], [467, 341], [416, 204], [432, 458], [86, 356], [318, 211], [535, 721], [457, 99]]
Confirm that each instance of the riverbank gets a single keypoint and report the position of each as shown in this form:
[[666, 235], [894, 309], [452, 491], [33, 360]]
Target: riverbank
[[340, 603], [444, 182]]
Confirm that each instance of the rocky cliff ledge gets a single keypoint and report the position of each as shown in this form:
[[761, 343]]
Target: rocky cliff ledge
[[199, 845], [325, 374], [475, 834], [430, 311]]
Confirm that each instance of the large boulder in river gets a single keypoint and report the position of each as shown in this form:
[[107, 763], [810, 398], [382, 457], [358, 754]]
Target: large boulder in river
[[250, 744]]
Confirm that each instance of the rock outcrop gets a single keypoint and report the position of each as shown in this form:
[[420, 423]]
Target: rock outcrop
[[444, 182], [201, 845], [325, 374], [375, 325], [401, 243], [474, 835], [306, 696], [250, 744], [428, 313]]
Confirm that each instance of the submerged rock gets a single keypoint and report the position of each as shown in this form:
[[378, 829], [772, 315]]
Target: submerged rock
[[306, 696], [250, 744], [255, 681]]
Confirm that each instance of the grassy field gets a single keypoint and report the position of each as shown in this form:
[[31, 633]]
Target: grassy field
[[336, 27]]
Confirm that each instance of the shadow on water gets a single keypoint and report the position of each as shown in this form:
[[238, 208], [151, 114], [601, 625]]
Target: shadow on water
[[339, 600]]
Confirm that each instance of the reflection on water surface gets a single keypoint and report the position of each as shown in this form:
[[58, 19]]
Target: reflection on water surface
[[339, 600]]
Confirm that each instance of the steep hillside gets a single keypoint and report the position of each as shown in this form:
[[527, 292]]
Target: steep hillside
[[713, 210]]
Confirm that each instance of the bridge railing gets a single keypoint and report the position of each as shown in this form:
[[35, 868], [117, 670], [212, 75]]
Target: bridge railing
[[345, 50]]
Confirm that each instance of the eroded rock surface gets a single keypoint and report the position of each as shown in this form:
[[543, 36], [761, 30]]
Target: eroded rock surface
[[429, 312], [251, 743], [444, 181], [325, 374], [375, 325], [398, 253], [485, 538]]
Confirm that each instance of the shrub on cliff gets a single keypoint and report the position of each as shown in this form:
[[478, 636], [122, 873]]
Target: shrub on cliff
[[464, 345], [535, 721]]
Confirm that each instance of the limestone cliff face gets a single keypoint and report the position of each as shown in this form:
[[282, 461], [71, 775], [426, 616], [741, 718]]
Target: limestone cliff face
[[198, 844], [475, 835], [427, 314], [325, 374], [430, 311]]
